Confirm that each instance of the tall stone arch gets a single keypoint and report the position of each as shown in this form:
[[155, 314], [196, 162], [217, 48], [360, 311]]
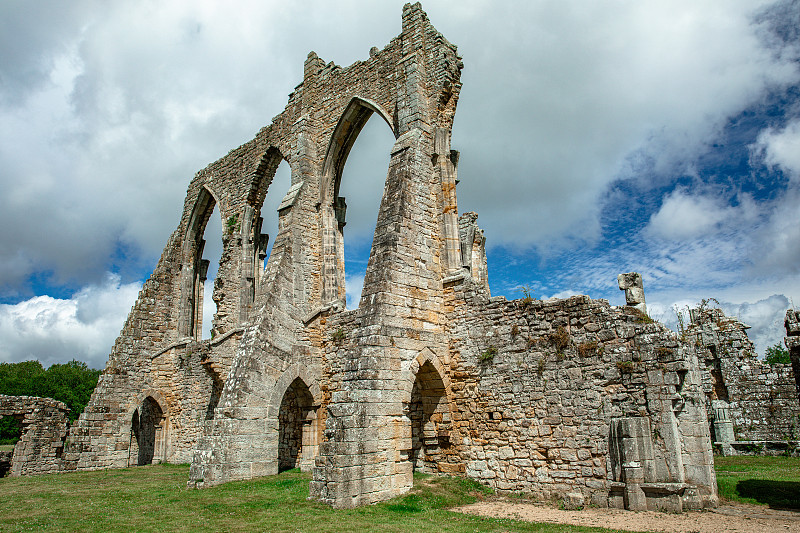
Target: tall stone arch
[[333, 207], [194, 267]]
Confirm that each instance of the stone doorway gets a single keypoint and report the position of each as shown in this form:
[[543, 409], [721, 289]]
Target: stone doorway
[[297, 428], [149, 428], [429, 420]]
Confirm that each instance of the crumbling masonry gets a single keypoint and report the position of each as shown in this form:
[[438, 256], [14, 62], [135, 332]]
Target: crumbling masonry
[[560, 398], [43, 424], [753, 406]]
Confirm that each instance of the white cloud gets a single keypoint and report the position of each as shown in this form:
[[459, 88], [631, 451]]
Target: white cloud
[[352, 286], [781, 148], [683, 216], [56, 331]]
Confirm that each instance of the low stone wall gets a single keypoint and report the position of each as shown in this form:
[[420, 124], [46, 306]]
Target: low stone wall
[[44, 429]]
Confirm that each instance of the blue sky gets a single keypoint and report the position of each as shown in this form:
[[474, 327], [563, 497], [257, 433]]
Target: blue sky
[[595, 138]]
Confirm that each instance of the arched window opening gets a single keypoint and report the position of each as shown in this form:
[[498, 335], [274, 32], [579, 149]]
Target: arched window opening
[[10, 433], [297, 428], [148, 433], [430, 420], [269, 210], [212, 253], [361, 185]]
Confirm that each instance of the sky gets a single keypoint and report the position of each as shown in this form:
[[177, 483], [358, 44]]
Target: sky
[[596, 138]]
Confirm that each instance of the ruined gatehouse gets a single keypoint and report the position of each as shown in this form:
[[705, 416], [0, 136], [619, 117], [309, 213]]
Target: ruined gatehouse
[[563, 398]]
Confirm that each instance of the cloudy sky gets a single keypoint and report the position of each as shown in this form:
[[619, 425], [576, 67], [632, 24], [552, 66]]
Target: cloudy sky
[[595, 137]]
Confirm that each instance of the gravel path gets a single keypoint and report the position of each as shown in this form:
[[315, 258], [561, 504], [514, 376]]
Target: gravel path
[[733, 518]]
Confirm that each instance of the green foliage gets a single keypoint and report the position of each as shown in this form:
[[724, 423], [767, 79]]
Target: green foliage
[[10, 430], [231, 224], [777, 354], [488, 354], [71, 383], [339, 336], [527, 299], [625, 367], [643, 318]]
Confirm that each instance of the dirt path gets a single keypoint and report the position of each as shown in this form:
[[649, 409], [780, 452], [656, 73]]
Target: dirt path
[[730, 518]]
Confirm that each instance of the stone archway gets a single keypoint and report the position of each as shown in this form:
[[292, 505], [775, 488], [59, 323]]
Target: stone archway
[[429, 418], [297, 428], [149, 432]]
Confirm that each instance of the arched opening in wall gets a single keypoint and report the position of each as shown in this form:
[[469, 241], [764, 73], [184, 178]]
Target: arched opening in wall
[[362, 184], [430, 420], [10, 429], [10, 433], [212, 253], [261, 223], [356, 202], [297, 428], [200, 252], [269, 210], [148, 433]]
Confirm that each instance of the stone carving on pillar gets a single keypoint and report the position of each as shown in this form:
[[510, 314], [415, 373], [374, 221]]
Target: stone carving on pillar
[[631, 283]]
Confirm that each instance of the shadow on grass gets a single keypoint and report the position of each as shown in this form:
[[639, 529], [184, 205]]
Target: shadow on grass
[[776, 494]]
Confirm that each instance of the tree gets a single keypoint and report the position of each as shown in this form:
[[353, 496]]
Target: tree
[[71, 383], [777, 354]]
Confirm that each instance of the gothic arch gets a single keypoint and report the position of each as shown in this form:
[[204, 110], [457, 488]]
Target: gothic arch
[[149, 429], [295, 407], [333, 208], [194, 267]]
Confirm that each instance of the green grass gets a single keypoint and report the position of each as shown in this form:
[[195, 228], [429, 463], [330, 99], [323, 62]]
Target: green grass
[[155, 498], [6, 447], [773, 481]]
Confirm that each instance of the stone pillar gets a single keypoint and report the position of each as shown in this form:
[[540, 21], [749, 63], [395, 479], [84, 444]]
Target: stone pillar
[[631, 283], [631, 449], [723, 427]]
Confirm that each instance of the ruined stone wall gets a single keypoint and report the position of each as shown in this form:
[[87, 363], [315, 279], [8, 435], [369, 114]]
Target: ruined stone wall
[[761, 399], [44, 429], [413, 85], [536, 387], [792, 342], [428, 373]]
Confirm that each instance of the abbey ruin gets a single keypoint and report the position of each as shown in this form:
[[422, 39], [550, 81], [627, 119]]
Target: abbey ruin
[[570, 398]]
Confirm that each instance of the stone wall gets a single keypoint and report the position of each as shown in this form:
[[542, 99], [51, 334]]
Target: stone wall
[[537, 388], [44, 430], [428, 373], [759, 400]]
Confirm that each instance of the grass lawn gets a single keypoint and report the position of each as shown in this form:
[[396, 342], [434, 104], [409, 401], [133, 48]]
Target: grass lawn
[[774, 481], [155, 498]]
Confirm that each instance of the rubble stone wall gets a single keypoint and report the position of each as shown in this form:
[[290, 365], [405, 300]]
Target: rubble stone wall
[[762, 400], [44, 430], [536, 387]]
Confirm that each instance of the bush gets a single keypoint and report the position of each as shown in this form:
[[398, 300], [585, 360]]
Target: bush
[[777, 355]]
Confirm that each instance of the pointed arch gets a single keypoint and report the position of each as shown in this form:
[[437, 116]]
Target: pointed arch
[[149, 429], [295, 405], [194, 268], [350, 124], [333, 208]]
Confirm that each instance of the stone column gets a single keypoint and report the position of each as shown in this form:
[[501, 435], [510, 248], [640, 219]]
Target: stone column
[[631, 283]]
